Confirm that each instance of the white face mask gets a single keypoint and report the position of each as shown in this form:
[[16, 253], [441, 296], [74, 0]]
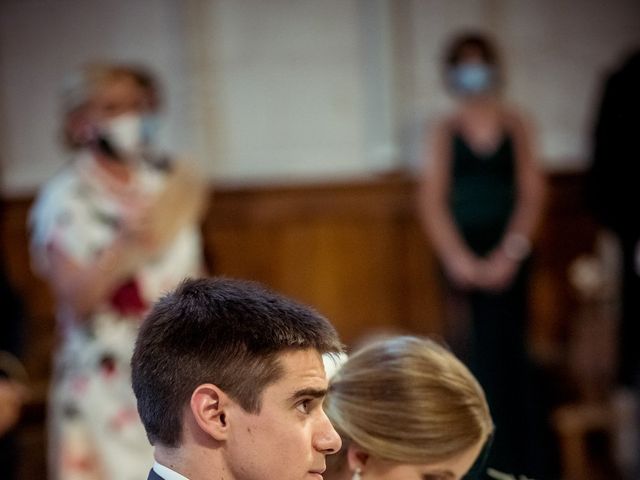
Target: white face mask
[[129, 134]]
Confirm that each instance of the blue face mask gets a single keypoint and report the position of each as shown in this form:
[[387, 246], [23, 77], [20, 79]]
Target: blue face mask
[[149, 128], [472, 78]]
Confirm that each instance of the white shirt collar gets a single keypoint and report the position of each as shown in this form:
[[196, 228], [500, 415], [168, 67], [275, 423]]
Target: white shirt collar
[[167, 473]]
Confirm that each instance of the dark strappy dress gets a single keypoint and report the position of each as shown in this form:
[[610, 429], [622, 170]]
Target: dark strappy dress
[[482, 200]]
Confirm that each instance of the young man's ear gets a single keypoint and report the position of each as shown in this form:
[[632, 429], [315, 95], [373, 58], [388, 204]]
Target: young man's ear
[[208, 406], [356, 457]]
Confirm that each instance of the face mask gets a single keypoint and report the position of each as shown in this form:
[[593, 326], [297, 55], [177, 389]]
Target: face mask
[[130, 133], [150, 127], [472, 78]]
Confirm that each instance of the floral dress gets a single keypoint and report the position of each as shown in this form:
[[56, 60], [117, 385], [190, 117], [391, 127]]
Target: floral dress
[[95, 431]]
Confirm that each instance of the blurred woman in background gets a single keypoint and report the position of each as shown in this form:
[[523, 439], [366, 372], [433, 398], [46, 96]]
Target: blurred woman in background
[[110, 232], [481, 200]]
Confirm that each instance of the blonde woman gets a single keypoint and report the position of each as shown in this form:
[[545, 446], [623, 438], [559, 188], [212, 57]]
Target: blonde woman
[[117, 226], [406, 409]]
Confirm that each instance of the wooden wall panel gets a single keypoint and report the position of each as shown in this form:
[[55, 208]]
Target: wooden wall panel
[[346, 249], [567, 232], [353, 250], [35, 293]]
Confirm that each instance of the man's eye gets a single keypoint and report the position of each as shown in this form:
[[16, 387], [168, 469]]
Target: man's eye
[[304, 406]]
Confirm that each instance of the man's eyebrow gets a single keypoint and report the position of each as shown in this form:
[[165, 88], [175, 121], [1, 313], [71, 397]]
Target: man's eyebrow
[[309, 392]]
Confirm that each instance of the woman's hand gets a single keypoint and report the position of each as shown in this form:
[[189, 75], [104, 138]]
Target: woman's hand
[[463, 269], [138, 222], [497, 272]]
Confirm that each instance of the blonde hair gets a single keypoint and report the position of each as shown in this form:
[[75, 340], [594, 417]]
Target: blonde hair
[[79, 88], [409, 400]]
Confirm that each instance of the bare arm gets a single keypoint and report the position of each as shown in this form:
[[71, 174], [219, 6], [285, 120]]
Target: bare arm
[[503, 263], [182, 202], [147, 231], [83, 287], [530, 184]]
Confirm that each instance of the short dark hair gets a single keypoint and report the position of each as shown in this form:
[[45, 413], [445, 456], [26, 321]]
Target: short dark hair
[[482, 43], [221, 331]]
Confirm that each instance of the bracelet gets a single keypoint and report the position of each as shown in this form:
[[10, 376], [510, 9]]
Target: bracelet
[[516, 246]]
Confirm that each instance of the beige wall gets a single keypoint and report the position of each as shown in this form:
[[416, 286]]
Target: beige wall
[[300, 89], [42, 42], [556, 52]]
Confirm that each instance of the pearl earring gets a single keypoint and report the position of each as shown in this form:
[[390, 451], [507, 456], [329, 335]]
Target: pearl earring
[[356, 474]]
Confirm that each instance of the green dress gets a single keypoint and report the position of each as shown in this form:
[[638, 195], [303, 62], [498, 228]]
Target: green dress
[[482, 199], [483, 193]]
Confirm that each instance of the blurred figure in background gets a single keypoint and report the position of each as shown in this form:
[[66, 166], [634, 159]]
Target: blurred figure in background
[[614, 190], [12, 373], [481, 200], [406, 409], [613, 193], [110, 232]]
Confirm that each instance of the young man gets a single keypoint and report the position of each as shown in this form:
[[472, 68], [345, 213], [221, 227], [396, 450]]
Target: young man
[[230, 382]]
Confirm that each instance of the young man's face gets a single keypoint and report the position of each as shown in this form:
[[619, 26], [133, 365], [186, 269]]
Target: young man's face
[[289, 438]]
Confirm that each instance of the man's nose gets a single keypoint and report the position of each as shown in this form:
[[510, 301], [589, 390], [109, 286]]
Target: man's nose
[[327, 439]]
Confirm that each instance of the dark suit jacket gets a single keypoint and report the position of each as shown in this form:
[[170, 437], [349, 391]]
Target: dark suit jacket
[[612, 180], [154, 476]]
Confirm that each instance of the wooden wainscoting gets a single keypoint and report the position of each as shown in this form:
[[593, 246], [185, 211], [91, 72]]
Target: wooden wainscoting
[[352, 249]]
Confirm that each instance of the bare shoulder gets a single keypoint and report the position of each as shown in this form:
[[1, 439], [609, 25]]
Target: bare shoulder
[[444, 124]]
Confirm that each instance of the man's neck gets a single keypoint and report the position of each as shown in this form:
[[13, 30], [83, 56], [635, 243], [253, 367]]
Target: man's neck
[[194, 463], [167, 473], [172, 458]]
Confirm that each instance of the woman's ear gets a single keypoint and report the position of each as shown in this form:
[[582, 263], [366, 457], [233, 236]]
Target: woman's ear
[[357, 457], [208, 406]]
